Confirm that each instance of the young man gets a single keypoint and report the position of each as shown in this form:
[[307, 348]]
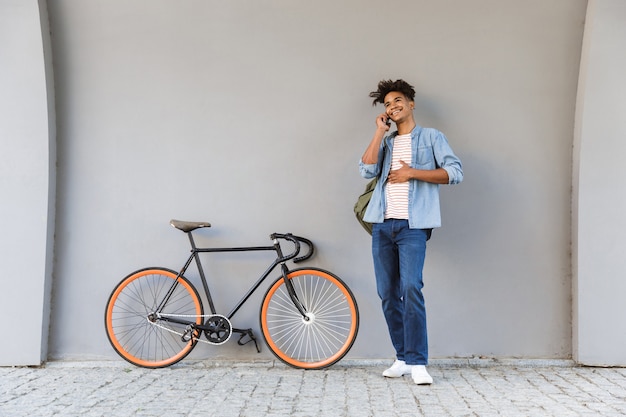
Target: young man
[[411, 163]]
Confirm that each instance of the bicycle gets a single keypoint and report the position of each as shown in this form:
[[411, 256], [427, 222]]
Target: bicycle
[[309, 317]]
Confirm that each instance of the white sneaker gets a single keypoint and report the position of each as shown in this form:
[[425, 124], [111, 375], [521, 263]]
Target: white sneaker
[[398, 369], [420, 375]]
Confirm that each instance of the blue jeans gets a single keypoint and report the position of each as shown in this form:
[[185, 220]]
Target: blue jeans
[[399, 254]]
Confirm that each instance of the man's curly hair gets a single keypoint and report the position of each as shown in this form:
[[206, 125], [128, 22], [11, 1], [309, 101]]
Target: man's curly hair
[[387, 86]]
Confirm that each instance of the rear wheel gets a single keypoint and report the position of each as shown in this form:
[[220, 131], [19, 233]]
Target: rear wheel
[[325, 335], [134, 329]]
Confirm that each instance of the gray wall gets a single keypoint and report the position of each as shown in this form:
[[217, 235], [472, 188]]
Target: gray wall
[[253, 115], [599, 201], [27, 181]]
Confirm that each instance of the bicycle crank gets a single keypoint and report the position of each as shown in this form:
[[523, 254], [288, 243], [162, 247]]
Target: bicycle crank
[[217, 329]]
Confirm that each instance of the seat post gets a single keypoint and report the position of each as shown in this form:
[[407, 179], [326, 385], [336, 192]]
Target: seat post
[[193, 244], [205, 284]]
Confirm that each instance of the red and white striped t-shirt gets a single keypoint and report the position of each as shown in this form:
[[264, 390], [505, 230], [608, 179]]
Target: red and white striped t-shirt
[[398, 194]]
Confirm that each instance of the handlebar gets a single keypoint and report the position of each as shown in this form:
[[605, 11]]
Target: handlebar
[[296, 240]]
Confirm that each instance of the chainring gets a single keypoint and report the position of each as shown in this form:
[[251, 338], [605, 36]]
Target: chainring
[[218, 329]]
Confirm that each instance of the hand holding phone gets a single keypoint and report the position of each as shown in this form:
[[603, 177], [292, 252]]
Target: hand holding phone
[[383, 121]]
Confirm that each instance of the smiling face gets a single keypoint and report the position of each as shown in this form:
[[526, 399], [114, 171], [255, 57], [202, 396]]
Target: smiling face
[[398, 107]]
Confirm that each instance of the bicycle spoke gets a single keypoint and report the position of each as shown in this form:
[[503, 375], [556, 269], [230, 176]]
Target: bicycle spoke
[[332, 322], [136, 333]]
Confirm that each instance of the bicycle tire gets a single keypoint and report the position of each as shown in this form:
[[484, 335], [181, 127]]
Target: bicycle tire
[[334, 319], [140, 341]]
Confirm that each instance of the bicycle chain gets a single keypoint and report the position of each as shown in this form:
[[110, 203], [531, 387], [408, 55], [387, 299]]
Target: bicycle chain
[[182, 335]]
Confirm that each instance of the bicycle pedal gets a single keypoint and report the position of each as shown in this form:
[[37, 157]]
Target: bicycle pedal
[[187, 335], [250, 334]]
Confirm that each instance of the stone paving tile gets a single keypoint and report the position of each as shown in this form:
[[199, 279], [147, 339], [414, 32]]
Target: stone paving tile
[[269, 389]]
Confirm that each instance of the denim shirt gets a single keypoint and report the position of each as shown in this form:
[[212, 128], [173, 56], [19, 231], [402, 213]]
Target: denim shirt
[[430, 150]]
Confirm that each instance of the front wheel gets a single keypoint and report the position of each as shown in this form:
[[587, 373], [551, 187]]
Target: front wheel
[[329, 329], [140, 334]]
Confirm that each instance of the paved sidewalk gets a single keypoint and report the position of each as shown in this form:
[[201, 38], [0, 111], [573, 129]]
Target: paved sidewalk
[[350, 388]]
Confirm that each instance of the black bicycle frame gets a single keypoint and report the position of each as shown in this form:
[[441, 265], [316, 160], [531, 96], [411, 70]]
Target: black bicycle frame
[[280, 260]]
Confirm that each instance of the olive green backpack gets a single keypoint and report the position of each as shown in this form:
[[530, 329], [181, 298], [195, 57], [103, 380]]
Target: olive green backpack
[[362, 202]]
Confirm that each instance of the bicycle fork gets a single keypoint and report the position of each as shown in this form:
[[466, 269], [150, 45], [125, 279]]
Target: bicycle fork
[[285, 273], [292, 293]]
